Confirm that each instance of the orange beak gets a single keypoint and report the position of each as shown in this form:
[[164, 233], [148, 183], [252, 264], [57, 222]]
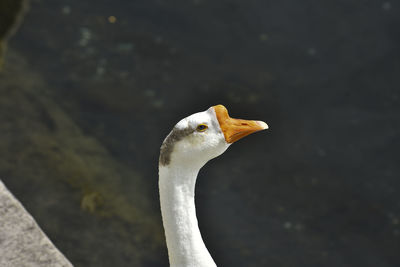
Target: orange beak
[[235, 129]]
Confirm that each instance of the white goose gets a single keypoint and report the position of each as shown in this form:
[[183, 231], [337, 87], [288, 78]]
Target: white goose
[[191, 143]]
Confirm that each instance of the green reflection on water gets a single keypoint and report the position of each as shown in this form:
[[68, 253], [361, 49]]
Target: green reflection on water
[[46, 150]]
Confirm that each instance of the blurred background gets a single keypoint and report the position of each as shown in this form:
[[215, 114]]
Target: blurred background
[[89, 89]]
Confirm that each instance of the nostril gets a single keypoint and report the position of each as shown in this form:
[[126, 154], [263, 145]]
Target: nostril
[[243, 123]]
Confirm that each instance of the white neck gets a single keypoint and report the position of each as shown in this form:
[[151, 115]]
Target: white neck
[[185, 244]]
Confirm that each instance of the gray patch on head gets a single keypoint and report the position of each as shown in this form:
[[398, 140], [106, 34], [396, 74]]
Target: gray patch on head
[[168, 145]]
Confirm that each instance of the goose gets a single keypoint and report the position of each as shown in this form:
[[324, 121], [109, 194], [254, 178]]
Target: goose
[[192, 142]]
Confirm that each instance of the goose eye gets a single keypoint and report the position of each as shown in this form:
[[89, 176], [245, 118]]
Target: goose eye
[[201, 127]]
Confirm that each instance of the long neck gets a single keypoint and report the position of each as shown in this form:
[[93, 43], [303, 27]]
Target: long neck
[[185, 244]]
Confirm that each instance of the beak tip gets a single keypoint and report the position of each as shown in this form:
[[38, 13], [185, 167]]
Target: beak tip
[[263, 125]]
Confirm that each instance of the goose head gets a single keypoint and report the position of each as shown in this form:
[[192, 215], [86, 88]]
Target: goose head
[[203, 136]]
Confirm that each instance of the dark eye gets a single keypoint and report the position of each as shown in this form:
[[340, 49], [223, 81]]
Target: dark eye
[[201, 127]]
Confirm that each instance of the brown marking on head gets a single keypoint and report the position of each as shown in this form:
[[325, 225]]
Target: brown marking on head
[[167, 146], [235, 129]]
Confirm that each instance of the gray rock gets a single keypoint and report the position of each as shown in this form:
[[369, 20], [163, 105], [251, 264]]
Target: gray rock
[[22, 242]]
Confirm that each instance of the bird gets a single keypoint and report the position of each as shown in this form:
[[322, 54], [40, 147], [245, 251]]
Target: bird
[[192, 142]]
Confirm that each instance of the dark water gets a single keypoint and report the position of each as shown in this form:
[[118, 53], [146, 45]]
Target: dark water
[[91, 88]]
